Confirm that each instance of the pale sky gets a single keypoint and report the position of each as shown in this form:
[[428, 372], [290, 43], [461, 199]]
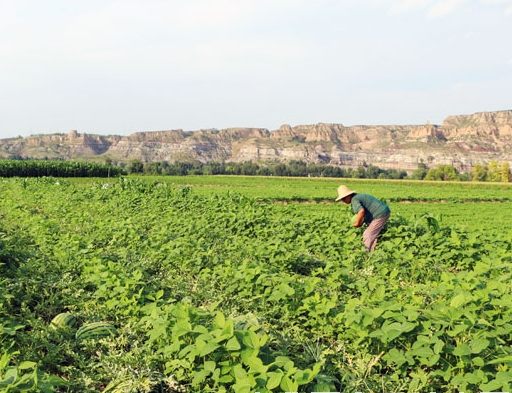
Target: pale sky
[[118, 67]]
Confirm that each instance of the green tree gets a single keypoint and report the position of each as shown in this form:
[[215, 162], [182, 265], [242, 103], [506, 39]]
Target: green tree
[[153, 168], [359, 173], [442, 172], [420, 173], [373, 172], [505, 172], [298, 168], [479, 172], [281, 170], [494, 171], [136, 166]]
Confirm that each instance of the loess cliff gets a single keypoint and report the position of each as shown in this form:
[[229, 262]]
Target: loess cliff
[[460, 141]]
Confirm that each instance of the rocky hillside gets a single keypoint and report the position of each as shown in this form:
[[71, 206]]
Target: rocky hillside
[[460, 141]]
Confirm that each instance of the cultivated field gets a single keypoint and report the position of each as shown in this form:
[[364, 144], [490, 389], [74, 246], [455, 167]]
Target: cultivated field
[[245, 284]]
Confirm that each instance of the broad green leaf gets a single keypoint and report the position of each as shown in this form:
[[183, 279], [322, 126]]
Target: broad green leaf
[[233, 344], [255, 364], [239, 372], [208, 348], [438, 346], [26, 365], [243, 386], [422, 352], [431, 361], [457, 329], [391, 331], [303, 377], [181, 328], [9, 376], [226, 379], [504, 360], [288, 385], [282, 291], [462, 350], [274, 379], [203, 330], [283, 362], [219, 320], [395, 356], [460, 300], [479, 345], [491, 386], [478, 361], [228, 328], [251, 339], [199, 377], [247, 354], [210, 366]]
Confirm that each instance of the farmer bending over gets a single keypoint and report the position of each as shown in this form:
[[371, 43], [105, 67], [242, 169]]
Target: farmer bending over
[[370, 210]]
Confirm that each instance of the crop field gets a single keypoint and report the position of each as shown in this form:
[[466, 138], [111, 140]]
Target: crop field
[[252, 284], [324, 189]]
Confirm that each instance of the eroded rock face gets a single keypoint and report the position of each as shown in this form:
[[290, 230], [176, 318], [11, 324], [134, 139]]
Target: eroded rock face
[[460, 141]]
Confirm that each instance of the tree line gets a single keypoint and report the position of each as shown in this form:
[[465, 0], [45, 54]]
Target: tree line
[[494, 171]]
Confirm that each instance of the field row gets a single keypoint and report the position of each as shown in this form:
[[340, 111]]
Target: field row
[[324, 189]]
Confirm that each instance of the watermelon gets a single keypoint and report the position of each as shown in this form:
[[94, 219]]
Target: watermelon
[[63, 321], [95, 330]]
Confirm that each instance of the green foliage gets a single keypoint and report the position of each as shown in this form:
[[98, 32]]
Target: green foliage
[[494, 171], [25, 377], [323, 190], [46, 168], [229, 293], [442, 172], [136, 166]]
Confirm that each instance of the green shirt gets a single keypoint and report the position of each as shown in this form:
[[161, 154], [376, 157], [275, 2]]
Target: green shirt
[[373, 208]]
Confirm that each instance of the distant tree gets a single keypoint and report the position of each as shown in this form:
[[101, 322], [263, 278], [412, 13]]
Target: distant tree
[[393, 174], [505, 172], [216, 168], [249, 168], [449, 172], [153, 168], [297, 168], [329, 171], [466, 176], [494, 173], [281, 170], [359, 173], [164, 166], [264, 171], [373, 172], [136, 166], [442, 172], [420, 173], [479, 172]]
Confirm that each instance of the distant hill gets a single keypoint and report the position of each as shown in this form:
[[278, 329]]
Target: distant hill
[[460, 141]]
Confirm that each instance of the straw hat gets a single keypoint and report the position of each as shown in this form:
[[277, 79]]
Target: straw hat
[[344, 191]]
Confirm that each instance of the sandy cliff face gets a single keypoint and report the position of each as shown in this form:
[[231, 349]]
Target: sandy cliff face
[[498, 124], [459, 141]]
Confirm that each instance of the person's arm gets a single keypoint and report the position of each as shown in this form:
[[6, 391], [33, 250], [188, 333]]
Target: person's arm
[[360, 218]]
